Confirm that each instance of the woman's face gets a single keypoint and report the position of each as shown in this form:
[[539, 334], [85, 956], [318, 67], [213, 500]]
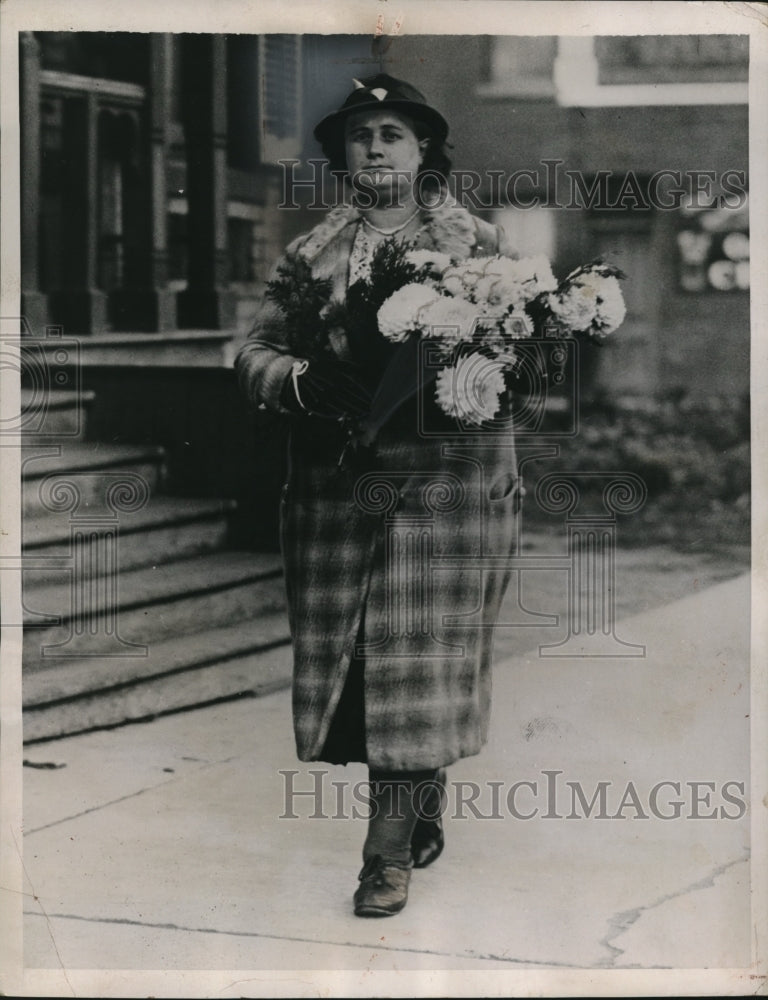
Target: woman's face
[[383, 151]]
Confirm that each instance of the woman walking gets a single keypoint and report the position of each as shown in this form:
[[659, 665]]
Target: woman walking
[[395, 556]]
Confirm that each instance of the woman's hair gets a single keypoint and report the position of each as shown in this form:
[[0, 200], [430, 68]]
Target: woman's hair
[[435, 167]]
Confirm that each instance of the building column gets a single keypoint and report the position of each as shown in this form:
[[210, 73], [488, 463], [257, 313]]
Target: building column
[[207, 302], [151, 305], [80, 306], [34, 303]]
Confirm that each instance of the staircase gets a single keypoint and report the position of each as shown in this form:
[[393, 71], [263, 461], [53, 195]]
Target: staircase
[[134, 606]]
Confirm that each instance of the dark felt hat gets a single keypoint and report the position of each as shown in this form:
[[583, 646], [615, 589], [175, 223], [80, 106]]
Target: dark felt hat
[[382, 91]]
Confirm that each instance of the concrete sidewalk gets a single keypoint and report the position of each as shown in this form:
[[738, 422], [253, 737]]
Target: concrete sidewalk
[[159, 846]]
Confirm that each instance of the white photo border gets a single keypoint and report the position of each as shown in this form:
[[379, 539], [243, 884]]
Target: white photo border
[[345, 17]]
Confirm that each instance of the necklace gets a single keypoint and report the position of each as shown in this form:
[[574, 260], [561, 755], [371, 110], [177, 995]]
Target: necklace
[[397, 229]]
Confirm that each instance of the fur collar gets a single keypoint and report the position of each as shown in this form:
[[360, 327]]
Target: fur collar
[[446, 227], [449, 228], [322, 234]]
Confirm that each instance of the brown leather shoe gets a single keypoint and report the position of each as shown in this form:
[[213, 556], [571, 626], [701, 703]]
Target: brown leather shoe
[[383, 888]]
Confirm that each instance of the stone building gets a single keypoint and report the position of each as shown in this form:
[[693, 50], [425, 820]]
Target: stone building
[[151, 180], [152, 177]]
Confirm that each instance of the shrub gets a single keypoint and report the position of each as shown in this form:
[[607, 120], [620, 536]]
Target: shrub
[[694, 459]]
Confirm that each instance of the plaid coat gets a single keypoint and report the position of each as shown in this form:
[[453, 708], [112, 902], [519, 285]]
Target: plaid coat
[[400, 561]]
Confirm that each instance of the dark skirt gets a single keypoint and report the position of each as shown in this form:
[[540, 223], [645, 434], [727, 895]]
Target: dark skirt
[[345, 741]]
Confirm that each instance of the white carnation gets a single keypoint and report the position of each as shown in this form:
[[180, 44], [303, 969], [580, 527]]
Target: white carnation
[[501, 281], [518, 325], [452, 284], [592, 301], [399, 315], [507, 294], [450, 320], [479, 264], [494, 294], [499, 266], [461, 279], [575, 308], [611, 309], [471, 388]]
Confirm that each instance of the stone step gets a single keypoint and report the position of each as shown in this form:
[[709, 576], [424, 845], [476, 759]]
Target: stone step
[[167, 528], [124, 612], [79, 475], [200, 348], [48, 414], [246, 659]]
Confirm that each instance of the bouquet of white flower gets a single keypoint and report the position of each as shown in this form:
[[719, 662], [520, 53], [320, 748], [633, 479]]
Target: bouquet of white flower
[[475, 310], [589, 301]]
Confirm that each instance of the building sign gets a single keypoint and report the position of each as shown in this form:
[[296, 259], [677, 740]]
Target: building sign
[[713, 250]]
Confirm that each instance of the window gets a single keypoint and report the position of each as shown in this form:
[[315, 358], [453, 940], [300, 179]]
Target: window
[[672, 58], [263, 99], [653, 70], [279, 96], [519, 66]]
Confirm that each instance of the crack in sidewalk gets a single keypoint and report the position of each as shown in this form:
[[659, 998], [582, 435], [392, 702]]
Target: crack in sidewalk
[[43, 913], [471, 955], [128, 797], [622, 921]]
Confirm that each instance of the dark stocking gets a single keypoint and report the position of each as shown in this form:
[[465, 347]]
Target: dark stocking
[[393, 813]]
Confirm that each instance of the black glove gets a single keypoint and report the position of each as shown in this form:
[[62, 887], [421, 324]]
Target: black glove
[[331, 389]]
